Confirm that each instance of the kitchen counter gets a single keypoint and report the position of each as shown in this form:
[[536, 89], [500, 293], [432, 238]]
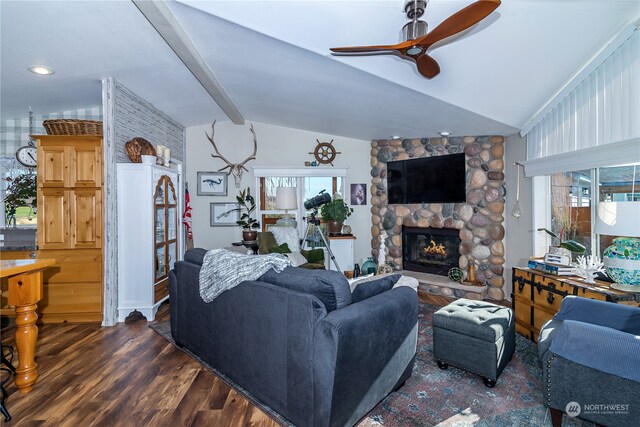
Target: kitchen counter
[[17, 239], [17, 248]]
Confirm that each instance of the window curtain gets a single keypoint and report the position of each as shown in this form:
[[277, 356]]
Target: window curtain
[[603, 109]]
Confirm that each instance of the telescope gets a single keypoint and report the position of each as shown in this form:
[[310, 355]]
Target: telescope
[[317, 201]]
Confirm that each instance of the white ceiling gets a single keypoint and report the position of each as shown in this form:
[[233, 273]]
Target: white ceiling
[[272, 57]]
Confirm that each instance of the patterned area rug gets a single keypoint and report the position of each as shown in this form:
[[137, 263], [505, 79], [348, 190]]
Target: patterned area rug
[[452, 397]]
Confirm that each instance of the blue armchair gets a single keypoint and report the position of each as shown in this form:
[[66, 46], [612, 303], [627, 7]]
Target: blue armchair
[[590, 354]]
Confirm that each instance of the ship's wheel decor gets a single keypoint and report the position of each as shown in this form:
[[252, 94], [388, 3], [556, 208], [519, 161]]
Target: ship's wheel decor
[[325, 153]]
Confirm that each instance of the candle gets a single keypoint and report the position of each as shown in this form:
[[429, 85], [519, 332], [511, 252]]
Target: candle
[[160, 150], [167, 153]]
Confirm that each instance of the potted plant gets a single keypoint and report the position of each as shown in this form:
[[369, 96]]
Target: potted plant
[[569, 245], [248, 224], [22, 191], [334, 213]]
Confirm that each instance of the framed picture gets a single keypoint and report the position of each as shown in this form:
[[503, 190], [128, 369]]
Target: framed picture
[[212, 184], [224, 214], [358, 194]]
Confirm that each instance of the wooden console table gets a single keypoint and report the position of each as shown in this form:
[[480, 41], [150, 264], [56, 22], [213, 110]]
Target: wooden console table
[[536, 297], [25, 290]]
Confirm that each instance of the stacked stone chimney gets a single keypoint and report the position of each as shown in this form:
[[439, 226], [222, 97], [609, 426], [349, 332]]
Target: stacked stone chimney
[[480, 220]]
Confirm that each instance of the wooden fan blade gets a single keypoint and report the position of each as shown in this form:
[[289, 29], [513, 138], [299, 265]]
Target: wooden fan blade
[[459, 21], [365, 49], [427, 66]]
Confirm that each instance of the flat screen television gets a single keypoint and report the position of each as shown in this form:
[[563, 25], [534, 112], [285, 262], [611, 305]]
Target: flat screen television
[[437, 179]]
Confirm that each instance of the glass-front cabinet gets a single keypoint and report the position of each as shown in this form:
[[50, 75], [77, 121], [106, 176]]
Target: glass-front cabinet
[[150, 235], [165, 232]]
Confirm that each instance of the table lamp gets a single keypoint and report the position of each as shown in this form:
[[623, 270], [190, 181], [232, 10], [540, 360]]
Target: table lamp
[[622, 259], [286, 199]]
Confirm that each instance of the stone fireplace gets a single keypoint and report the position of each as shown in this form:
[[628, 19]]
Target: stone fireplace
[[478, 221], [430, 250]]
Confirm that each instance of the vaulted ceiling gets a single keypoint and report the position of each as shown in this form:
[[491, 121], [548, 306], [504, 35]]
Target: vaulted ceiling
[[273, 59]]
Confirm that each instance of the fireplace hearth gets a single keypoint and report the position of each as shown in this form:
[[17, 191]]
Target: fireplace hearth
[[430, 250]]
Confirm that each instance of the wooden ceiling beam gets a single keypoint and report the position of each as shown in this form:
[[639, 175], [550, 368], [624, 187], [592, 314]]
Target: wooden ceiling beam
[[164, 21]]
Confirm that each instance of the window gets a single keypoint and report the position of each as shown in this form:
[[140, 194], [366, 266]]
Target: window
[[617, 184], [575, 196], [21, 215], [308, 183], [571, 206]]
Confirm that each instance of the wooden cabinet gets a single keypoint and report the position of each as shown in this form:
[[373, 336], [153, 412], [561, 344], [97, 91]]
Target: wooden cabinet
[[53, 218], [537, 296], [69, 161], [85, 218], [149, 208], [70, 226]]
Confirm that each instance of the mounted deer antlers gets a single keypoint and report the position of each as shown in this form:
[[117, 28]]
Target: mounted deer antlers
[[235, 169]]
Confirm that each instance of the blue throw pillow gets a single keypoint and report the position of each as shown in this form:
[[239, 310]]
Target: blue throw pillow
[[329, 286], [370, 288]]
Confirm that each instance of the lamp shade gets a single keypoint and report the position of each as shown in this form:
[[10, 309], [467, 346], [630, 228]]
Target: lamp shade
[[286, 198], [618, 219]]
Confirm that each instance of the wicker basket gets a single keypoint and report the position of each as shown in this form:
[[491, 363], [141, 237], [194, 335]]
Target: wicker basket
[[138, 146], [72, 127]]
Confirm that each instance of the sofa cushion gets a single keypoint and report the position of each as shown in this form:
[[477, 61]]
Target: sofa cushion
[[195, 255], [313, 265], [297, 259], [266, 241], [330, 287], [288, 235], [314, 255], [369, 287], [280, 249]]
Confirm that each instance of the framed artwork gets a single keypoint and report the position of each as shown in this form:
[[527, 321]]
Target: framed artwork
[[224, 214], [212, 184], [358, 194]]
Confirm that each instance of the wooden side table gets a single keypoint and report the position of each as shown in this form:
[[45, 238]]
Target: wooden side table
[[25, 290]]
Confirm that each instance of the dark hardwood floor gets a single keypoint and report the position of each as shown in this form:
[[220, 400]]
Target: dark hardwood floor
[[126, 375]]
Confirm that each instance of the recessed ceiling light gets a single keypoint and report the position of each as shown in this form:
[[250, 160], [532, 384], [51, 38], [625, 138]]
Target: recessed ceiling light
[[445, 133], [42, 70], [395, 137]]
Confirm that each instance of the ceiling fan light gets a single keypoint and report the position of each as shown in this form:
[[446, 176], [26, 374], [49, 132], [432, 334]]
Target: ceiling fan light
[[414, 29]]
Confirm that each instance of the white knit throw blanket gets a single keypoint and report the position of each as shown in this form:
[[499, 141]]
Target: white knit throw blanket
[[222, 270]]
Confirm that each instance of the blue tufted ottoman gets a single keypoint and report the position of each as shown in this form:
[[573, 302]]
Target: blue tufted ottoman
[[476, 336]]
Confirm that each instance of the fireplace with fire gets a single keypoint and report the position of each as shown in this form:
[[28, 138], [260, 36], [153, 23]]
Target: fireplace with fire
[[430, 250]]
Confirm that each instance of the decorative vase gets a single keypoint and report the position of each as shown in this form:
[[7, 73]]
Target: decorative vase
[[369, 266], [249, 235], [334, 226], [622, 262]]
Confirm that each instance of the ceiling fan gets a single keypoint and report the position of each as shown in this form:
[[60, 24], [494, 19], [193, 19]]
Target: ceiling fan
[[417, 40]]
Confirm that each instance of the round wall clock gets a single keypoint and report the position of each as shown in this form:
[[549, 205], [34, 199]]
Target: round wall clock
[[27, 155]]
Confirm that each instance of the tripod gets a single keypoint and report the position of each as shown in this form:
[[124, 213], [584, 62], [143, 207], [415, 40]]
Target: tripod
[[311, 219]]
